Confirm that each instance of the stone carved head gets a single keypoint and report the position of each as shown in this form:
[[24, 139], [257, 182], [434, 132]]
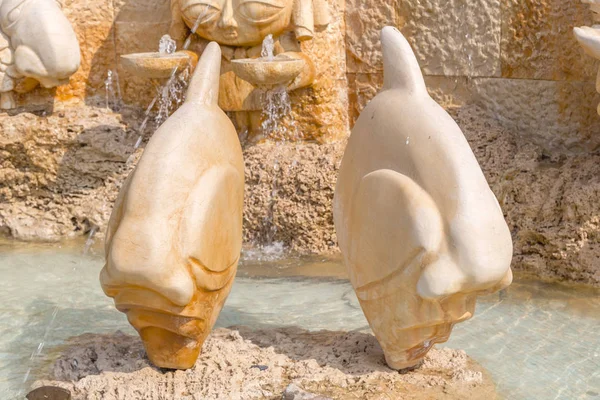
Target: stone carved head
[[421, 232], [175, 233], [248, 22], [40, 40]]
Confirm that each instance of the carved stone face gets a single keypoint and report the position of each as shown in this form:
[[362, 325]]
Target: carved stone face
[[237, 22]]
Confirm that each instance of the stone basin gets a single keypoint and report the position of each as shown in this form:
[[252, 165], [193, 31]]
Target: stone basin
[[264, 72], [155, 65]]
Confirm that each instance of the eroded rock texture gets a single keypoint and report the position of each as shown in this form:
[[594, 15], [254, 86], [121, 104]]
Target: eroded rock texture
[[246, 364]]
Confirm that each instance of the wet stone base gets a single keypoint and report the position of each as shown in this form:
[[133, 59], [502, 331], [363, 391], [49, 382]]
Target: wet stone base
[[241, 363], [60, 173]]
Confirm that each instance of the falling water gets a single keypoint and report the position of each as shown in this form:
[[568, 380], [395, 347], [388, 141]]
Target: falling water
[[277, 109], [172, 94], [113, 98], [268, 47], [108, 86], [90, 240], [166, 45]]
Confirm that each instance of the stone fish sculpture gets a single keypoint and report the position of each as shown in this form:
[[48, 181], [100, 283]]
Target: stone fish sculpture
[[37, 45], [421, 232], [175, 234], [589, 37]]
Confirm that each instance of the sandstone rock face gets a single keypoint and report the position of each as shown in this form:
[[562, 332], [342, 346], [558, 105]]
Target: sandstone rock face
[[240, 363], [289, 191], [60, 173]]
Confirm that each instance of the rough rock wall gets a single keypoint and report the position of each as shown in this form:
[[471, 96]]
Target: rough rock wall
[[517, 58]]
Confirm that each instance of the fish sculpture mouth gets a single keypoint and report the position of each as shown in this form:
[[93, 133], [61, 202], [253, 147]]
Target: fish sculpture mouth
[[172, 335], [411, 357]]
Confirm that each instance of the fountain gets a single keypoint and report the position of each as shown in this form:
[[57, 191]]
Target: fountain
[[255, 136], [247, 76]]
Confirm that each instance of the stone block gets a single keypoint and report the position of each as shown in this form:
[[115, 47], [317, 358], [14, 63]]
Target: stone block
[[453, 37], [364, 21], [148, 11], [558, 116], [538, 40]]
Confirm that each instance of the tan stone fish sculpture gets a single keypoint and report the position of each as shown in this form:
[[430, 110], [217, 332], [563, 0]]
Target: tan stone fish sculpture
[[175, 234], [421, 232]]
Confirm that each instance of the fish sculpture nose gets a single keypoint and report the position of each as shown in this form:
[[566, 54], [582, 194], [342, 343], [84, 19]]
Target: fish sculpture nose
[[133, 269], [44, 43]]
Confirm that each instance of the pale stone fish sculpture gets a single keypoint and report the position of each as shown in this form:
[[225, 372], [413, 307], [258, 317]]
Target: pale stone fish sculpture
[[419, 228], [589, 37], [175, 234], [37, 45]]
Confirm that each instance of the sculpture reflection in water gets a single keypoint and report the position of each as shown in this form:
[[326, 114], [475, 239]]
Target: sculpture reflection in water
[[240, 26], [421, 232], [37, 45], [175, 234]]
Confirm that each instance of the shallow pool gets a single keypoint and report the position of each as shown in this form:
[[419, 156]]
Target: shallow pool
[[538, 340]]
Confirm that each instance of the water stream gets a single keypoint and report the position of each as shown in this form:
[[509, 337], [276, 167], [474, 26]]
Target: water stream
[[538, 340], [172, 94]]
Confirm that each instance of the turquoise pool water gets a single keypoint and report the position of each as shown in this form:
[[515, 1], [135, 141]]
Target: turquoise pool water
[[538, 340]]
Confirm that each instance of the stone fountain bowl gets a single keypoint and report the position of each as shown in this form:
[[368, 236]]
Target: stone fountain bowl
[[269, 73], [157, 65]]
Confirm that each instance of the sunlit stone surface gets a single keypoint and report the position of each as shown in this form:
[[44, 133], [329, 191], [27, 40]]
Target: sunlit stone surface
[[547, 333], [175, 234], [421, 232]]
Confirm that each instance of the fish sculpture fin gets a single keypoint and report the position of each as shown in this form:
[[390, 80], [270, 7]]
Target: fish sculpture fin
[[210, 238], [396, 227], [204, 86], [400, 66]]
